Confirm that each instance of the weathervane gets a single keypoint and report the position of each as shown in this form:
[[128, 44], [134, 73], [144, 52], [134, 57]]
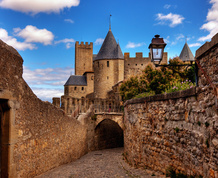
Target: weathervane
[[110, 22]]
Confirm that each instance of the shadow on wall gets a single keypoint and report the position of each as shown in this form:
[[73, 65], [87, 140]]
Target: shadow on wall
[[108, 134]]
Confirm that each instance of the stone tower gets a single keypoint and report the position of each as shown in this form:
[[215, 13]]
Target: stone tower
[[108, 66], [83, 58]]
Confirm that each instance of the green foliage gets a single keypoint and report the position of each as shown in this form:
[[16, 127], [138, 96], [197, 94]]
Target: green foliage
[[157, 80], [131, 88], [178, 86], [146, 94]]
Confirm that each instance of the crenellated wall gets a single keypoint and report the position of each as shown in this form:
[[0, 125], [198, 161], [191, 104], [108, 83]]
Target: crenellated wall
[[72, 105], [135, 65], [177, 130], [83, 57]]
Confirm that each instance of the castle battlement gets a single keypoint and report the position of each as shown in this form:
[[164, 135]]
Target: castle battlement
[[138, 55], [84, 45]]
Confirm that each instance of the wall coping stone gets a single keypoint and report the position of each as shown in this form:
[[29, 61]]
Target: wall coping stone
[[206, 46], [109, 113], [167, 96]]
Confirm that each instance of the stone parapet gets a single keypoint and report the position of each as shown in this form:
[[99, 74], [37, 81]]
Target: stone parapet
[[207, 46], [167, 96], [177, 130]]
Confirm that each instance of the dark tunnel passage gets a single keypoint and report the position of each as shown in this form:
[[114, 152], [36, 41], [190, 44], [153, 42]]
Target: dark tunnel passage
[[108, 134]]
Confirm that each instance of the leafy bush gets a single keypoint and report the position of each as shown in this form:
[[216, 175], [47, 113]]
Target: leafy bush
[[146, 94], [158, 80], [178, 86]]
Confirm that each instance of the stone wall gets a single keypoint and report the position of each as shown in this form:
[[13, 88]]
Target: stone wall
[[177, 130], [135, 65], [80, 105], [83, 57], [39, 135]]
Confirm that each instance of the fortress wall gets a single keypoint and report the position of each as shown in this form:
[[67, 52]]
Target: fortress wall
[[177, 130], [41, 136], [76, 91], [135, 65]]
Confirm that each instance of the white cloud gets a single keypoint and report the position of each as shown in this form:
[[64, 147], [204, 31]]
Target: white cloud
[[212, 22], [36, 6], [69, 42], [166, 40], [195, 45], [33, 34], [48, 76], [175, 19], [167, 6], [134, 45], [46, 94], [99, 41], [180, 36], [13, 41], [69, 20], [47, 83]]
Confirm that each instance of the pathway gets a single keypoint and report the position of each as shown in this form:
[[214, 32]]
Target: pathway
[[107, 163]]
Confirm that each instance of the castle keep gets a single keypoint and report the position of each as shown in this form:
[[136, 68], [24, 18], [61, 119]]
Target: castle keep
[[98, 77]]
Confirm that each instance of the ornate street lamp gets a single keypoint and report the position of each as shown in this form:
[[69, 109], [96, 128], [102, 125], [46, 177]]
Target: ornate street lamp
[[157, 49]]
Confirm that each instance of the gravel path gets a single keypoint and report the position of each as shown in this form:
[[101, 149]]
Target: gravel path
[[107, 163]]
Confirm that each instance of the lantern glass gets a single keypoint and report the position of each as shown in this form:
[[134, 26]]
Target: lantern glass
[[157, 54]]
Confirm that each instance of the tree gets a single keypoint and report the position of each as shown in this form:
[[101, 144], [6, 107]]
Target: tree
[[156, 79]]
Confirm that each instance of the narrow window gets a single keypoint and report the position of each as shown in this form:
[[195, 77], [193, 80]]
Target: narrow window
[[82, 88], [136, 64], [107, 77], [74, 88], [98, 64], [141, 64], [107, 63]]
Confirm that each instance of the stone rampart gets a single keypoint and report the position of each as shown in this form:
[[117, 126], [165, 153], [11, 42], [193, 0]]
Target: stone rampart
[[81, 105], [177, 130], [39, 136]]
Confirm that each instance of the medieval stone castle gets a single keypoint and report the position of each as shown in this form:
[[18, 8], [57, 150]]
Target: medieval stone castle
[[98, 77]]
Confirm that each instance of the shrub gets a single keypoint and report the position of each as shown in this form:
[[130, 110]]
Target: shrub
[[178, 86], [146, 94], [158, 80]]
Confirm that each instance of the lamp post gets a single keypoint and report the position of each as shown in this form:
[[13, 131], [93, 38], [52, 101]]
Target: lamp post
[[157, 49]]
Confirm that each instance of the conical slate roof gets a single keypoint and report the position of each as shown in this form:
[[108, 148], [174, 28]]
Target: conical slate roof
[[186, 54], [110, 49]]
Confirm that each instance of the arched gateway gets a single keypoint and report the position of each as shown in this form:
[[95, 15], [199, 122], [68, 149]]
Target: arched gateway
[[109, 131]]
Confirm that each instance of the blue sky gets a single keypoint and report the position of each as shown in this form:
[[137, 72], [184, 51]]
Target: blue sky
[[44, 31]]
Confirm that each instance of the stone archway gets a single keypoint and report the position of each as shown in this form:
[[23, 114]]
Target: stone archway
[[108, 134]]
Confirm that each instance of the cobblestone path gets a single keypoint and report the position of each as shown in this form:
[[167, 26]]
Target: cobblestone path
[[107, 163]]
